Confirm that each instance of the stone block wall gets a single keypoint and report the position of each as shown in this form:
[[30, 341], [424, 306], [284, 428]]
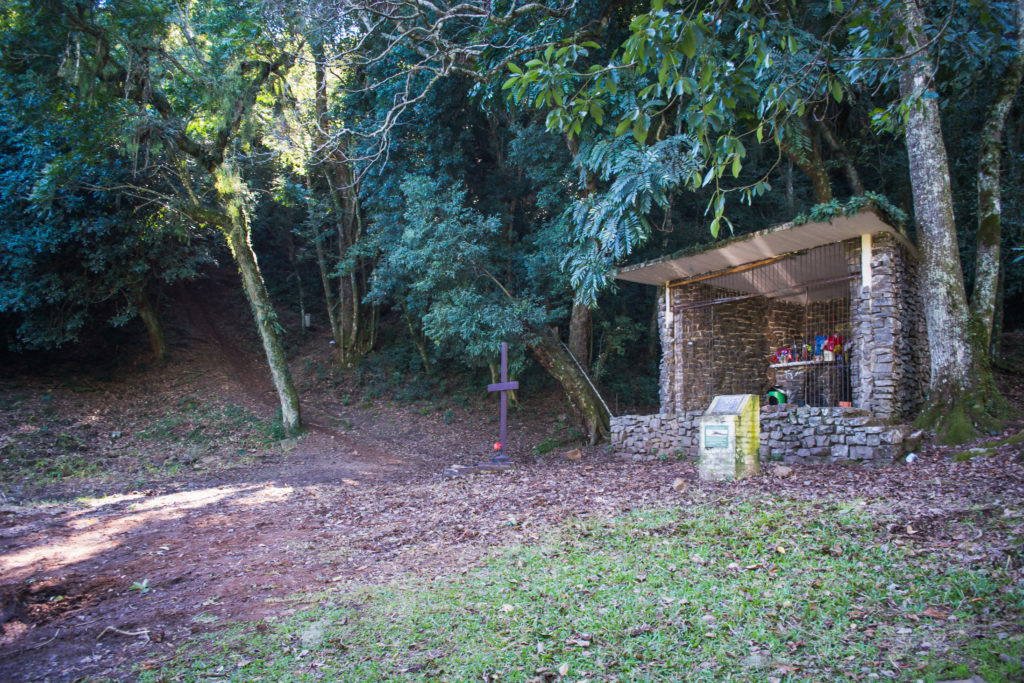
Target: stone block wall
[[888, 352], [725, 348], [739, 358], [650, 436], [784, 321], [710, 350], [789, 434], [823, 435]]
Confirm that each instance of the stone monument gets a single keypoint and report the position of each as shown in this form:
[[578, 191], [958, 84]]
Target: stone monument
[[730, 438]]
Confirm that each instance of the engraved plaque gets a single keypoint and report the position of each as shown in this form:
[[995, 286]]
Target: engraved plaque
[[716, 436]]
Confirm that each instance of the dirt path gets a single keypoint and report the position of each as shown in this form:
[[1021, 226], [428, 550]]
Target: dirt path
[[247, 549]]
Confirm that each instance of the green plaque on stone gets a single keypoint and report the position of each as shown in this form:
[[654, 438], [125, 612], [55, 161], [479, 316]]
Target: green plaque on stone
[[716, 436]]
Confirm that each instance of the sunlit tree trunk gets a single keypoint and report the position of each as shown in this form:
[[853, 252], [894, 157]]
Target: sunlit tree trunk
[[263, 311]]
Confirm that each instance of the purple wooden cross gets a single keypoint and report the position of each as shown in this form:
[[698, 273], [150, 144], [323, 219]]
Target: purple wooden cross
[[503, 386]]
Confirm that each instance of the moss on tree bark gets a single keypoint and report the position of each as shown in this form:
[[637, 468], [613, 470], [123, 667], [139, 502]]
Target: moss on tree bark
[[962, 396], [266, 318], [587, 406]]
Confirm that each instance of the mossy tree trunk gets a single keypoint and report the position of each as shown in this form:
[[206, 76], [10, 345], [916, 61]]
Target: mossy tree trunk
[[588, 408], [237, 91], [987, 260], [581, 324], [961, 393], [237, 233]]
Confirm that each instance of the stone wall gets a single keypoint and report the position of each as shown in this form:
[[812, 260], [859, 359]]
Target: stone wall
[[725, 348], [823, 435], [650, 436], [739, 358], [710, 350], [789, 434], [889, 351]]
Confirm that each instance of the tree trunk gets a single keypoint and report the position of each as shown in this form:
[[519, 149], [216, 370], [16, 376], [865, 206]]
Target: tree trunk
[[157, 340], [986, 272], [263, 312], [852, 175], [961, 390], [420, 344], [810, 162], [580, 330], [329, 301], [587, 406], [352, 321]]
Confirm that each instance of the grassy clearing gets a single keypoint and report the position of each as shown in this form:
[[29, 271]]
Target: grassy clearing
[[39, 446], [196, 423], [771, 591]]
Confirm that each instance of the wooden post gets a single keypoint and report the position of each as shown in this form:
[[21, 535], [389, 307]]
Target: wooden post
[[503, 386]]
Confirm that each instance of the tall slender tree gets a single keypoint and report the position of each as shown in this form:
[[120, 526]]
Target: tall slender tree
[[147, 65]]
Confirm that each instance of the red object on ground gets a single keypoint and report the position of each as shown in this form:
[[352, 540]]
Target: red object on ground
[[497, 445]]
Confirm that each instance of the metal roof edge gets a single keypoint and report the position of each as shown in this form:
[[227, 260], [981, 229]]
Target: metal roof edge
[[875, 224]]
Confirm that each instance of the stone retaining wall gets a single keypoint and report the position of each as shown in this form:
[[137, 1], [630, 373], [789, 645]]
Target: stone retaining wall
[[789, 434], [650, 436]]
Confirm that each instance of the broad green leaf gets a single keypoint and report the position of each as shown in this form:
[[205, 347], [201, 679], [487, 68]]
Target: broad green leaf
[[689, 42], [837, 91], [640, 129]]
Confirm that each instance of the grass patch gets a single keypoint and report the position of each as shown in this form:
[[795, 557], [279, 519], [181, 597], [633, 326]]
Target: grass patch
[[733, 592], [196, 423], [41, 449]]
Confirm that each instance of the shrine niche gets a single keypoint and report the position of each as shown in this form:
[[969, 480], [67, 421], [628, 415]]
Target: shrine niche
[[819, 321]]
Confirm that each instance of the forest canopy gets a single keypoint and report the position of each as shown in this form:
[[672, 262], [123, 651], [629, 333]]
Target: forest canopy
[[462, 174]]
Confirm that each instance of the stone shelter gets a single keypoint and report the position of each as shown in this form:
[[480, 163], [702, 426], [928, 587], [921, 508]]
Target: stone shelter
[[821, 319]]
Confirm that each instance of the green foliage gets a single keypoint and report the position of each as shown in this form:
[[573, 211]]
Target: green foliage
[[823, 213], [71, 254], [608, 226]]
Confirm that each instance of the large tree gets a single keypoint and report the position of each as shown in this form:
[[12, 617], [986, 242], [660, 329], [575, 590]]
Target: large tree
[[183, 78]]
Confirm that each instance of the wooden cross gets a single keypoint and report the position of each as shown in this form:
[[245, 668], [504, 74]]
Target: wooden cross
[[503, 386]]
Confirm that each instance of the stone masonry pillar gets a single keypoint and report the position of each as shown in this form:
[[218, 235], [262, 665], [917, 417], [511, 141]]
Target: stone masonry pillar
[[877, 322]]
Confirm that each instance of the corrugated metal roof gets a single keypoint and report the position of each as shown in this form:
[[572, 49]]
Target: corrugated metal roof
[[776, 241]]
